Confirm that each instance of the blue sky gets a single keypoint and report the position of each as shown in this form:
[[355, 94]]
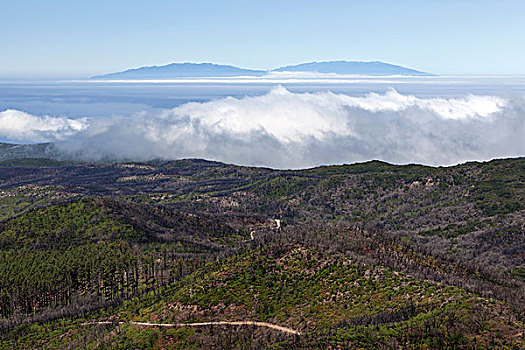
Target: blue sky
[[77, 38]]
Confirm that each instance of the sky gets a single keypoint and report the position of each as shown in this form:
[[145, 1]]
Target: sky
[[78, 38]]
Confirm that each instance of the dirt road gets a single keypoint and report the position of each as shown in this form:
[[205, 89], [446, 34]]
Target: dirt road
[[200, 324]]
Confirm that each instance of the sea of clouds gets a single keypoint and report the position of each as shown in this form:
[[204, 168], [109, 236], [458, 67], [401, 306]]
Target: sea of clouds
[[283, 129]]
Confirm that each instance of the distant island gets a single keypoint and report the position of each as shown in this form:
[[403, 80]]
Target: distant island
[[352, 67], [201, 70], [182, 70]]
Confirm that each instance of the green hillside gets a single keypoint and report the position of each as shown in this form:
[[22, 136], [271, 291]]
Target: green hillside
[[332, 301], [369, 255]]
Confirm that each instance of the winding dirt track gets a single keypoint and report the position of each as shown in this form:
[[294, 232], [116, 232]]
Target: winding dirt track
[[199, 324]]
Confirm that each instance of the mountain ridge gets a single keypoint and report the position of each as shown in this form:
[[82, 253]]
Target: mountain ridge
[[182, 70], [351, 67], [201, 70]]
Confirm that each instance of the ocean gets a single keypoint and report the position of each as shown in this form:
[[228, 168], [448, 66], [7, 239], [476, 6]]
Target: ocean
[[76, 99]]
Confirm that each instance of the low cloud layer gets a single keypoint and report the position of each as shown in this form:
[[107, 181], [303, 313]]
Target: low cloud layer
[[23, 127], [294, 130]]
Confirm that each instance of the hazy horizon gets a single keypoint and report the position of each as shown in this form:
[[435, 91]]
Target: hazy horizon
[[84, 39]]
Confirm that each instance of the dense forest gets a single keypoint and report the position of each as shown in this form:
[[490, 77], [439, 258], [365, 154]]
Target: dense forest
[[156, 255]]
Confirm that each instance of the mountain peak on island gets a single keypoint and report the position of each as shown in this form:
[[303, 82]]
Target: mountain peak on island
[[352, 67], [182, 70], [211, 70]]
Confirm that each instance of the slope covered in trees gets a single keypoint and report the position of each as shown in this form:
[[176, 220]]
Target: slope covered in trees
[[369, 255], [96, 249]]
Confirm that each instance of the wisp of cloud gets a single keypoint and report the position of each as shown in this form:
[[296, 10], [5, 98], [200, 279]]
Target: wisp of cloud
[[283, 129]]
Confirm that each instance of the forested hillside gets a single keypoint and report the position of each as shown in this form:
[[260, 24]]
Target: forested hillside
[[370, 255]]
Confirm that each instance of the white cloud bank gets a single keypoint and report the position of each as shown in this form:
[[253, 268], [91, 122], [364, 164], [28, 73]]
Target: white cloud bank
[[20, 126], [293, 130]]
